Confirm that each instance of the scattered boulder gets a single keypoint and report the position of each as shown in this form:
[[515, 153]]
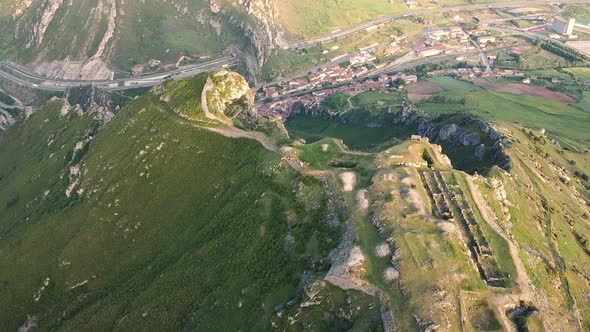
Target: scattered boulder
[[382, 250], [390, 274]]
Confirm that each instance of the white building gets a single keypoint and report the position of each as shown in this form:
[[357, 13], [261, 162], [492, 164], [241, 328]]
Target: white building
[[563, 26]]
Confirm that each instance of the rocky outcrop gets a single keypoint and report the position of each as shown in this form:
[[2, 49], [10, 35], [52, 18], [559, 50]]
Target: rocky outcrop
[[454, 134], [112, 15], [450, 133], [446, 131], [19, 7], [6, 119], [230, 95], [470, 139], [488, 140], [408, 114]]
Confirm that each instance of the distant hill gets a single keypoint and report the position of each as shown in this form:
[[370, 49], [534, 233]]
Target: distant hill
[[97, 38]]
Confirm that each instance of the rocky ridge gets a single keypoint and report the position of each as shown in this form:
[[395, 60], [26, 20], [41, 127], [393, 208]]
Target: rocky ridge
[[90, 53], [486, 140]]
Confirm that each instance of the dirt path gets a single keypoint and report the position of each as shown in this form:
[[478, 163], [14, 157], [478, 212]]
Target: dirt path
[[346, 255], [362, 201], [234, 132], [526, 290], [522, 279]]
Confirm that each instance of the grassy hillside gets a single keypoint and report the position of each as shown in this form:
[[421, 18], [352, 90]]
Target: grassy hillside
[[547, 218], [164, 230]]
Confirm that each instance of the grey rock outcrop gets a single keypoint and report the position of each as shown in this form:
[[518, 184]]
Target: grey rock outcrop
[[480, 152], [446, 131], [469, 139]]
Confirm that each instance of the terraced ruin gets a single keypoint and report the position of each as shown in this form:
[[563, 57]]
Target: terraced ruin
[[449, 203]]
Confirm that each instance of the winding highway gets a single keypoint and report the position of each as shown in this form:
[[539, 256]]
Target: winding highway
[[23, 76]]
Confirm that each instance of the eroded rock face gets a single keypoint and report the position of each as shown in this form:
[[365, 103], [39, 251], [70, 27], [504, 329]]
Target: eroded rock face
[[408, 114], [89, 99], [50, 7], [91, 69], [265, 33], [258, 22]]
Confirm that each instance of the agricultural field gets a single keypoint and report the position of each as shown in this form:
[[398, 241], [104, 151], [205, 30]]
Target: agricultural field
[[376, 100], [580, 74], [584, 103], [580, 12], [451, 84], [563, 122], [561, 74]]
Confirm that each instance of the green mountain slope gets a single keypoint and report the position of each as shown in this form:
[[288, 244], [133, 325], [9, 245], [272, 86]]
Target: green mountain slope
[[170, 226]]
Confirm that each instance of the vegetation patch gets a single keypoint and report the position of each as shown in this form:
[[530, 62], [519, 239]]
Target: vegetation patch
[[147, 240], [376, 100], [357, 136]]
